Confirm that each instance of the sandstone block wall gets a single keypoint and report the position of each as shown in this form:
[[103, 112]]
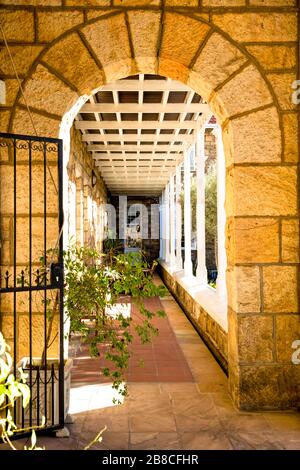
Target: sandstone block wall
[[86, 197]]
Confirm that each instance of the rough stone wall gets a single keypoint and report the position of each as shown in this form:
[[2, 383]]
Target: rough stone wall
[[85, 210], [242, 56]]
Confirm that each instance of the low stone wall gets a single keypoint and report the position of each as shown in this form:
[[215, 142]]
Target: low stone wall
[[211, 332]]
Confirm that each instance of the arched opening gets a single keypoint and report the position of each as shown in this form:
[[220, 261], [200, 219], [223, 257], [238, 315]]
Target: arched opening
[[145, 137]]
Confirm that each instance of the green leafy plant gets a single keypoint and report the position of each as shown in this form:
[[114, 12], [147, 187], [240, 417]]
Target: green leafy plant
[[94, 289], [94, 282], [12, 389]]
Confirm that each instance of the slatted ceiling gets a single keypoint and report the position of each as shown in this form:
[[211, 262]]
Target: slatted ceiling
[[108, 131], [188, 117], [196, 98], [128, 96], [176, 97], [152, 96], [131, 77], [104, 97], [153, 117], [129, 116], [154, 77], [171, 116], [106, 116], [87, 117], [137, 130]]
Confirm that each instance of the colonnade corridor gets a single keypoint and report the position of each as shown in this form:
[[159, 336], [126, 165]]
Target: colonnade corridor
[[177, 400]]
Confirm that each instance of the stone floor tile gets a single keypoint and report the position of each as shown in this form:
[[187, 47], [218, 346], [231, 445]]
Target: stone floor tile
[[246, 440], [186, 388], [212, 439], [223, 403], [110, 441], [288, 438], [289, 421], [211, 383], [142, 391], [254, 423], [163, 422], [194, 403], [156, 404], [113, 423], [154, 441], [292, 444], [196, 423]]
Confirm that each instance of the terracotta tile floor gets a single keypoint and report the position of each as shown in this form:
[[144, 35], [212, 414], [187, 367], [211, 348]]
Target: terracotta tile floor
[[162, 360], [184, 405]]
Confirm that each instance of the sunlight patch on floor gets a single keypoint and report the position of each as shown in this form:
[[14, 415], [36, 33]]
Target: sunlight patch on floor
[[93, 397]]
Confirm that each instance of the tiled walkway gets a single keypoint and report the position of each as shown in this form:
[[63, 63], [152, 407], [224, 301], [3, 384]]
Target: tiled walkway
[[162, 360], [179, 400]]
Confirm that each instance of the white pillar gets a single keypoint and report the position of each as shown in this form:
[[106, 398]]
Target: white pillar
[[178, 213], [160, 229], [167, 212], [188, 268], [163, 224], [221, 216], [172, 222], [201, 272]]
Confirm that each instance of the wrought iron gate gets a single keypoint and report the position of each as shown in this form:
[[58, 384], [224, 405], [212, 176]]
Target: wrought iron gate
[[31, 286]]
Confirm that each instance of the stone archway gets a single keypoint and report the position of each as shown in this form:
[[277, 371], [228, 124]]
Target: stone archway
[[261, 202]]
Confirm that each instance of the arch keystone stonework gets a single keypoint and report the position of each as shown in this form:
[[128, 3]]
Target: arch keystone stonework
[[259, 133]]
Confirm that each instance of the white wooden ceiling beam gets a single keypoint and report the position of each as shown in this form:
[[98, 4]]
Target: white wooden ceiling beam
[[134, 148], [165, 97], [141, 100], [97, 116], [188, 100], [135, 108], [135, 125], [138, 138], [136, 156], [118, 115], [138, 169]]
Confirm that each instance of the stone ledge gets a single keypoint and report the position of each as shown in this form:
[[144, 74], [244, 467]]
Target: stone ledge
[[203, 308]]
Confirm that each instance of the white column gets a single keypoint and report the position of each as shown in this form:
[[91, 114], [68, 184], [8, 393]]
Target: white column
[[172, 222], [221, 216], [178, 230], [188, 268], [167, 212], [163, 224], [160, 228], [201, 272]]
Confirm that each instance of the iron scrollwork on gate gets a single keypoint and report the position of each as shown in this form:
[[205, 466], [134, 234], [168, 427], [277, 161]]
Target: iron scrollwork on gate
[[31, 277]]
